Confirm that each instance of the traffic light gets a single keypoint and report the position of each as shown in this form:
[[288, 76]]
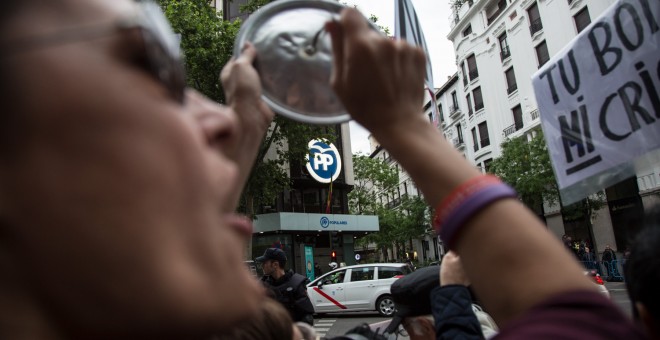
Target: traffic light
[[336, 239], [333, 256]]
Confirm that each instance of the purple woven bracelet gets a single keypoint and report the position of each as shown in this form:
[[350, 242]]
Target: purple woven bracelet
[[470, 206]]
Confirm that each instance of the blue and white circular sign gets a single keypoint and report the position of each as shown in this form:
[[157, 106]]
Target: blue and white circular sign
[[325, 222], [323, 161]]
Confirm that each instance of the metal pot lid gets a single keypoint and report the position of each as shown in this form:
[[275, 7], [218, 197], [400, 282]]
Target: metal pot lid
[[294, 59]]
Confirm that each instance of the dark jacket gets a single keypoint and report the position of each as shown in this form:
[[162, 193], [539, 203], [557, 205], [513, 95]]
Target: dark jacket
[[609, 255], [291, 291], [452, 310]]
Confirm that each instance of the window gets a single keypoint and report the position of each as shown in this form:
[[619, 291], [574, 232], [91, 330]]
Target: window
[[459, 133], [487, 164], [389, 272], [582, 19], [504, 47], [362, 274], [467, 31], [469, 104], [465, 75], [472, 67], [454, 101], [494, 12], [337, 277], [478, 99], [511, 84], [474, 139], [542, 53], [483, 134], [517, 117], [440, 114], [535, 24]]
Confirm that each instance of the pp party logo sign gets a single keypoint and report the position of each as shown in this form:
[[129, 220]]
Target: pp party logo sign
[[323, 161]]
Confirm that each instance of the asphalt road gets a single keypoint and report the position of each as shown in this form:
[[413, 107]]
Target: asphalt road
[[329, 325]]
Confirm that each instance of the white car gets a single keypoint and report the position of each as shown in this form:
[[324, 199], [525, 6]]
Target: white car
[[362, 287]]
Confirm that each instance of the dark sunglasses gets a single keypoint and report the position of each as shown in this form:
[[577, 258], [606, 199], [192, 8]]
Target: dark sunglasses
[[160, 43]]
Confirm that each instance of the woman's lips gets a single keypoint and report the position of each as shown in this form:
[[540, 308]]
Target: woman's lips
[[240, 224]]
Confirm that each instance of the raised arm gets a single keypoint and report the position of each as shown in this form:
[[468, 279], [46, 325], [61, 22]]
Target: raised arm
[[243, 91], [380, 82]]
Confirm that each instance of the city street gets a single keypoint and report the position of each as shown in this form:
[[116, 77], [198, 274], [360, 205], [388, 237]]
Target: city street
[[330, 325]]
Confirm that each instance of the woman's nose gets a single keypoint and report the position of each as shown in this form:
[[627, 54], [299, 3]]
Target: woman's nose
[[218, 123]]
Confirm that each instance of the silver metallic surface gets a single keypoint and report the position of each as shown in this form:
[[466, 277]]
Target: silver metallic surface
[[294, 58]]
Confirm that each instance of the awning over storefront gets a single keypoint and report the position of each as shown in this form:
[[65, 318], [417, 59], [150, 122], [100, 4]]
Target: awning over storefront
[[315, 222]]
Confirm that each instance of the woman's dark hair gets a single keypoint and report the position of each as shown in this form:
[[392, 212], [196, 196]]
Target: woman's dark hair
[[642, 268]]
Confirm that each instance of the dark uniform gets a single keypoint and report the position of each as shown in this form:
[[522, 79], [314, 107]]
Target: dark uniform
[[291, 291]]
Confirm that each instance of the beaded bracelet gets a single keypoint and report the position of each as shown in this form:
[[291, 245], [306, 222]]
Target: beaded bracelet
[[466, 200]]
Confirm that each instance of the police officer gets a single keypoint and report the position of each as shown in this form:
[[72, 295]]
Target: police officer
[[289, 288]]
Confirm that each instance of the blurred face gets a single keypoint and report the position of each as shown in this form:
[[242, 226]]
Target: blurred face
[[119, 198], [268, 267]]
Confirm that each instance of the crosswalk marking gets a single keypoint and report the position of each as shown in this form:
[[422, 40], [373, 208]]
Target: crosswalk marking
[[323, 326]]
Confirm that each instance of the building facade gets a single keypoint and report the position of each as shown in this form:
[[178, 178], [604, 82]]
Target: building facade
[[499, 45]]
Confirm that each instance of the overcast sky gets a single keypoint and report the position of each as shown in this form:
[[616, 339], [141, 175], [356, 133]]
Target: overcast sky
[[434, 18]]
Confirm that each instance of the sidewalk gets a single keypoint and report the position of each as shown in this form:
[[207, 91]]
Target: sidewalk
[[615, 286]]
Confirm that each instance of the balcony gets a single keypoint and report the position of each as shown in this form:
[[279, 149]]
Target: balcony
[[513, 128], [511, 88], [534, 114], [536, 26], [505, 53], [458, 143], [454, 110], [474, 74]]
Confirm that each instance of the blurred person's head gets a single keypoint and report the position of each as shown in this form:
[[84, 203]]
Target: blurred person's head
[[271, 322], [642, 271], [115, 193], [273, 261]]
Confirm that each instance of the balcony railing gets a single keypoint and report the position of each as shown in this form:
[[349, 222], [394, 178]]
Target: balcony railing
[[454, 109], [458, 142], [509, 130], [474, 74], [534, 114], [511, 88], [536, 26], [505, 53]]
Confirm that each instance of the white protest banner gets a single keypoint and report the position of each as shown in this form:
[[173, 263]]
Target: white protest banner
[[599, 99]]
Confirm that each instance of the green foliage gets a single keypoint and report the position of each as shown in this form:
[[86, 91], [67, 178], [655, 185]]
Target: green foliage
[[253, 5], [373, 178], [526, 167], [207, 42], [399, 223]]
